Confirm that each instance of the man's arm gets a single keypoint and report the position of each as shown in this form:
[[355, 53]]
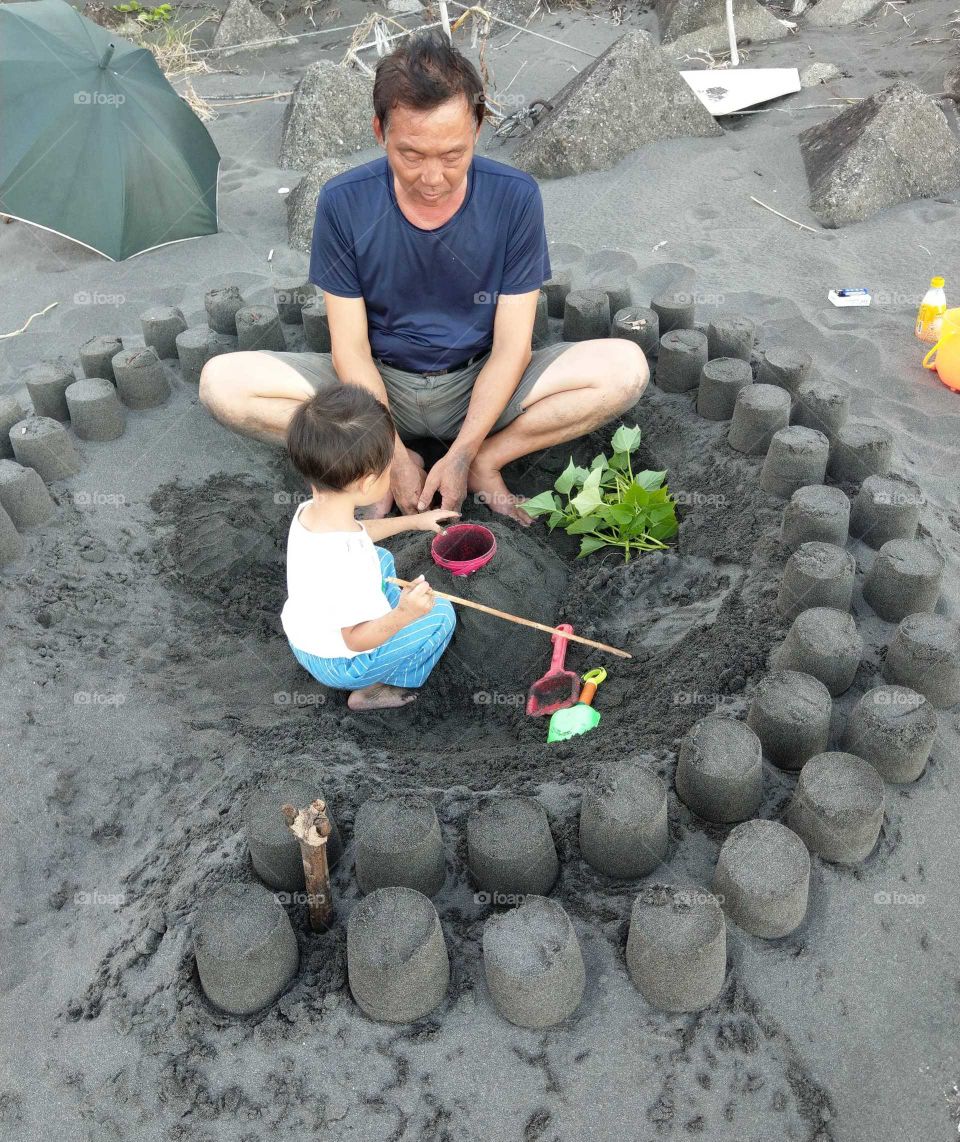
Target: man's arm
[[354, 365], [495, 385]]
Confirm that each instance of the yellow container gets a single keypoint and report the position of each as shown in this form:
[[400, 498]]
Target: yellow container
[[945, 355], [931, 310]]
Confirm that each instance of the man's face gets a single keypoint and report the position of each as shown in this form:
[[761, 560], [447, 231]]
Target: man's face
[[429, 151]]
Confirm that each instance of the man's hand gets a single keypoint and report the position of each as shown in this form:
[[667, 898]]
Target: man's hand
[[406, 482], [448, 477]]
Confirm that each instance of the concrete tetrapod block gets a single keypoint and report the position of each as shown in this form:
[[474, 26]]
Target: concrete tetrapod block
[[246, 948], [258, 327], [699, 26], [796, 458], [837, 807], [905, 578], [11, 413], [731, 336], [674, 311], [197, 345], [642, 326], [541, 324], [785, 367], [894, 146], [141, 379], [95, 409], [886, 507], [533, 963], [301, 202], [242, 23], [326, 116], [858, 450], [790, 714], [677, 947], [556, 290], [759, 413], [821, 404], [316, 325], [397, 961], [762, 878], [817, 575], [47, 383], [11, 542], [586, 315], [160, 326], [96, 356], [892, 727], [720, 770], [721, 380], [23, 495], [623, 820], [274, 850], [925, 655], [397, 841], [221, 306], [290, 295], [816, 513], [680, 361], [510, 849], [43, 444], [825, 643]]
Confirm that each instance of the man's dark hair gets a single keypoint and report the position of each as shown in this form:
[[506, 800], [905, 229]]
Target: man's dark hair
[[339, 435], [423, 72]]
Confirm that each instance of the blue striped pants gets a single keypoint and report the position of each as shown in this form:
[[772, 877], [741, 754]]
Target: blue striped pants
[[405, 660]]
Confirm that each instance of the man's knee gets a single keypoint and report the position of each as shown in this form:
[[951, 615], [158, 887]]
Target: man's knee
[[214, 384], [626, 372]]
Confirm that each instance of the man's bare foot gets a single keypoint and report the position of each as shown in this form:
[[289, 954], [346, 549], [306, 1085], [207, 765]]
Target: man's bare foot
[[380, 696], [489, 488]]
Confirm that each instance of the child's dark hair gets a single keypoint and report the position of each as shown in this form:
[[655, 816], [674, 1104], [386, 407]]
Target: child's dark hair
[[341, 434]]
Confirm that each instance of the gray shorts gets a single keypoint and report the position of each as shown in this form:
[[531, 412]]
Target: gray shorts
[[432, 407]]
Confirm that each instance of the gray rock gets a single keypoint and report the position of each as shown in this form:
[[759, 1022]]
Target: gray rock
[[302, 201], [839, 13], [816, 73], [242, 24], [701, 25], [892, 147], [629, 96], [328, 114]]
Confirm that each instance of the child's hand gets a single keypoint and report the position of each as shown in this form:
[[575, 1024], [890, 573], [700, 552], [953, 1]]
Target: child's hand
[[416, 600], [430, 521]]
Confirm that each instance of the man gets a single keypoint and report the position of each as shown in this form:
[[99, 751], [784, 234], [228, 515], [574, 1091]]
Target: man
[[430, 261]]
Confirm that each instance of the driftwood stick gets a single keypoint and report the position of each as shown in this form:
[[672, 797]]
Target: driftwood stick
[[786, 218], [312, 828]]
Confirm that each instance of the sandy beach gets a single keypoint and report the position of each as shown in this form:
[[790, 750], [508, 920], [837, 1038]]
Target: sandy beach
[[147, 689]]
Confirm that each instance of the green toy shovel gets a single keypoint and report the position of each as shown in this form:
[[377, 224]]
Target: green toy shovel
[[582, 717]]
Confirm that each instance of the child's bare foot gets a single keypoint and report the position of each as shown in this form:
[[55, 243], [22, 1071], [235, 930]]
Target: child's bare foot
[[380, 696]]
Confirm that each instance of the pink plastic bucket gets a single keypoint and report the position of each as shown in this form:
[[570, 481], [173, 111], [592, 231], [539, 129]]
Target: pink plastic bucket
[[464, 548]]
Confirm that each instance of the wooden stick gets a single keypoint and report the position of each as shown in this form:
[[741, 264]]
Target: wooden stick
[[311, 826], [802, 225], [517, 619]]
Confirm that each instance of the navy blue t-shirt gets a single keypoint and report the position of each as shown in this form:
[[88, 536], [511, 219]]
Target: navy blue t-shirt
[[430, 294]]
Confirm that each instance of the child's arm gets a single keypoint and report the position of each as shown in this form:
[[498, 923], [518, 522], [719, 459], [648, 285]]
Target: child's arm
[[425, 521], [415, 601]]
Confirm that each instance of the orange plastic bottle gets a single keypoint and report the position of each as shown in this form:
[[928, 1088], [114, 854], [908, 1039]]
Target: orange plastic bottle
[[931, 311]]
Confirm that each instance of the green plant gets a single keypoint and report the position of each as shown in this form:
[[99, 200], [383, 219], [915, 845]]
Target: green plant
[[150, 16], [608, 504]]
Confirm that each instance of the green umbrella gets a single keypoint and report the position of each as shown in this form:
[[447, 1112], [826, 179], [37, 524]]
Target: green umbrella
[[96, 144]]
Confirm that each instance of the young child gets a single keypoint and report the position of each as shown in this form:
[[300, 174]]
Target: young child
[[346, 625]]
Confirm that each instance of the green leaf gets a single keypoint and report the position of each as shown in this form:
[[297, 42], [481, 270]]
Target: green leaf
[[664, 529], [620, 514], [556, 518], [649, 480], [620, 461], [569, 478], [626, 439], [599, 461], [580, 526], [636, 496], [589, 544], [545, 502]]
